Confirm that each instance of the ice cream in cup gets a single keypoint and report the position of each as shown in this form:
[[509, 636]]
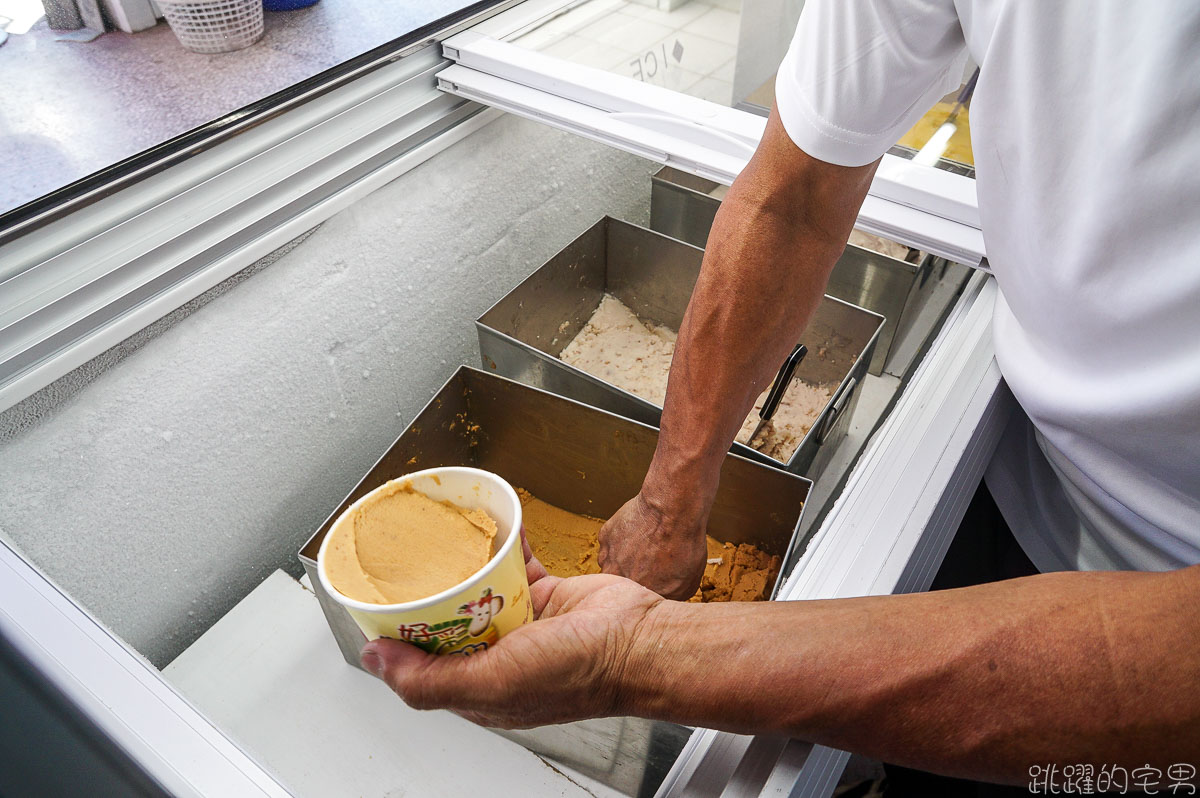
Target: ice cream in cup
[[432, 558]]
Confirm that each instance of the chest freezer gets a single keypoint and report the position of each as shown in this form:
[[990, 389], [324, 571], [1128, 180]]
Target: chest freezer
[[892, 503]]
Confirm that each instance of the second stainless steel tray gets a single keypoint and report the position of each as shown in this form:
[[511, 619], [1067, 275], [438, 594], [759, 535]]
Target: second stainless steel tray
[[683, 206], [522, 335]]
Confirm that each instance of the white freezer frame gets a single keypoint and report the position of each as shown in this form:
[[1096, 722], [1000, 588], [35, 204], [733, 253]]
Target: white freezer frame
[[121, 692], [930, 209]]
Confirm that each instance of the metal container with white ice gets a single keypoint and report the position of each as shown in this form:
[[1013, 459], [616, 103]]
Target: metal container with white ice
[[586, 461], [522, 335], [683, 206]]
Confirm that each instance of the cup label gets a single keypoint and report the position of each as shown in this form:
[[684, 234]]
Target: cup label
[[466, 636]]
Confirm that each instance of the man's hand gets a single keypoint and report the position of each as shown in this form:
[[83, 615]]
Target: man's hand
[[564, 666], [660, 549]]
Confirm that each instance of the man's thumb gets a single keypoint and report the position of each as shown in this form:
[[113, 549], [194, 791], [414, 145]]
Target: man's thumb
[[423, 680], [384, 656]]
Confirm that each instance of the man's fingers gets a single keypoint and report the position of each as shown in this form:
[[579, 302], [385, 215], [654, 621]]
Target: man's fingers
[[525, 549], [381, 657], [534, 570], [540, 592]]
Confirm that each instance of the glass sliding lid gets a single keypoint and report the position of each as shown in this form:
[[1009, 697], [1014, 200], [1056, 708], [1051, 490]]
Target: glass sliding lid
[[726, 52]]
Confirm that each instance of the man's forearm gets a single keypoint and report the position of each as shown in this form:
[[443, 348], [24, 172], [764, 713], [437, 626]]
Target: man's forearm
[[981, 682], [778, 233]]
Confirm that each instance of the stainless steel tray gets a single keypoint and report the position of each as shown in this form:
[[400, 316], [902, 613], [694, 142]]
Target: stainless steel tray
[[522, 335], [584, 460], [683, 206]]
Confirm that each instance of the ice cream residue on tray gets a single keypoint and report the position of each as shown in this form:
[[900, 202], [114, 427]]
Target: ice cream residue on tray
[[567, 544], [620, 348]]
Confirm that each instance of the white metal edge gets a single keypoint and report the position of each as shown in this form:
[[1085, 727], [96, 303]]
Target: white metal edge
[[931, 192], [691, 757], [939, 192], [994, 405], [698, 152], [942, 193], [817, 776], [597, 88], [931, 210], [693, 155], [121, 692], [756, 767]]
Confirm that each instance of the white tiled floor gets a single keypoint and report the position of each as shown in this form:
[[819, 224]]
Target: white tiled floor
[[629, 34], [679, 17], [584, 51], [717, 24], [691, 49], [725, 72]]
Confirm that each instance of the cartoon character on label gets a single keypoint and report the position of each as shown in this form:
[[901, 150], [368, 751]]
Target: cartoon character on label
[[480, 630]]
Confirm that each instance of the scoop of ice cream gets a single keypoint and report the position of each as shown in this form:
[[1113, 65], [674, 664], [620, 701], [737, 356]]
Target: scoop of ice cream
[[618, 347], [799, 408], [400, 545]]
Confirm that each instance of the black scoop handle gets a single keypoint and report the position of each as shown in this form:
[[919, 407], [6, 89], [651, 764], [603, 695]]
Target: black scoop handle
[[781, 382]]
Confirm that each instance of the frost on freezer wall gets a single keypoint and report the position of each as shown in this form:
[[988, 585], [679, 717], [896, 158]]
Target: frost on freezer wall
[[163, 489]]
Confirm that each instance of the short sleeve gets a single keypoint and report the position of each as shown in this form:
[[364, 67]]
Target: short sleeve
[[859, 73]]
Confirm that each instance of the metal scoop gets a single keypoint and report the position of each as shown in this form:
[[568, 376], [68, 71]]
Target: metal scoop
[[782, 380], [935, 148]]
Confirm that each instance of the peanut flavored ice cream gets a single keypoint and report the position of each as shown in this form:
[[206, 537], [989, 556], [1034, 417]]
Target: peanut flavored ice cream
[[401, 545], [567, 544]]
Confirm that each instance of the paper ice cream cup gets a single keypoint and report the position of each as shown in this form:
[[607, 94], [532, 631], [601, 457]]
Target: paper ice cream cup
[[475, 613]]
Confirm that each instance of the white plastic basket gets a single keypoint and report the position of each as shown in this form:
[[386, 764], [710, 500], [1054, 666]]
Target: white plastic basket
[[214, 26]]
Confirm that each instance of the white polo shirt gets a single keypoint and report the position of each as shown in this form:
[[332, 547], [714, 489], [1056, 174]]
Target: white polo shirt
[[1086, 130]]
